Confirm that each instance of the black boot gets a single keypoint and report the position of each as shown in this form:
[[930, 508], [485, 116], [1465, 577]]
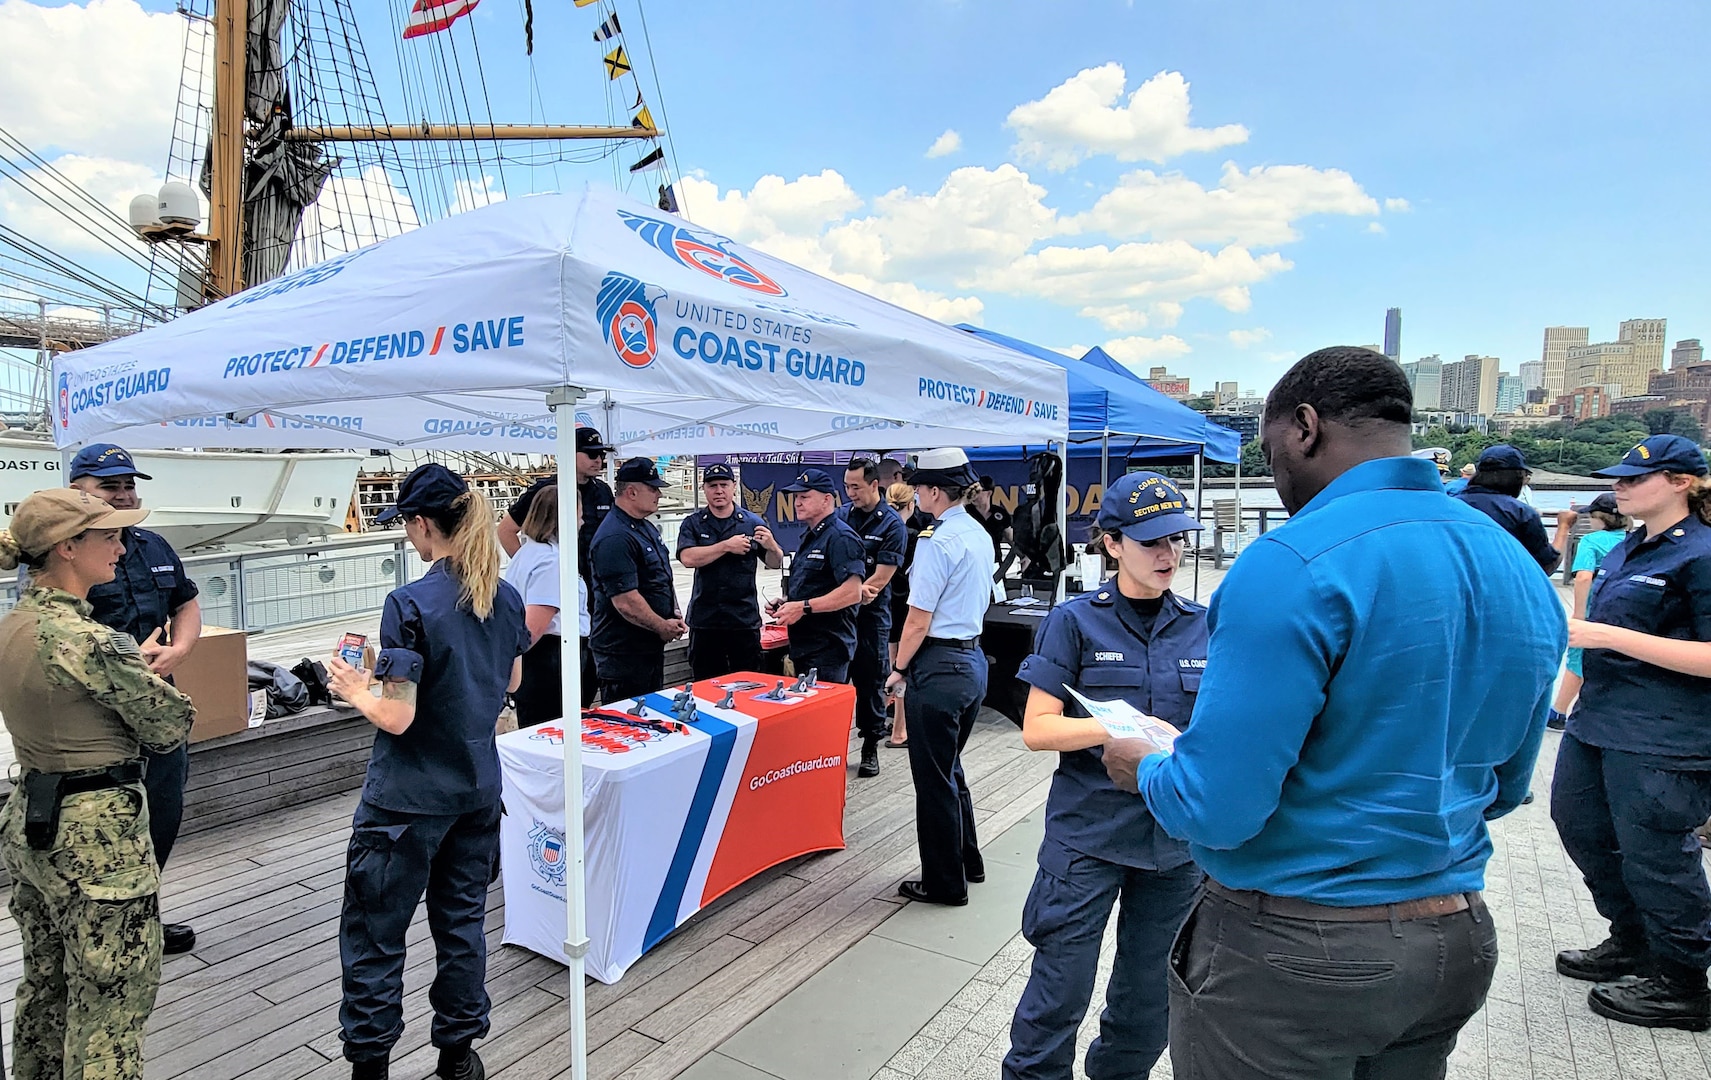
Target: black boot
[[1669, 999], [372, 1069], [1607, 961], [460, 1063], [869, 756]]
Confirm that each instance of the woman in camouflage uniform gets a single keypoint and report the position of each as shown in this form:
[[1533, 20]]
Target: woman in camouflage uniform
[[80, 704]]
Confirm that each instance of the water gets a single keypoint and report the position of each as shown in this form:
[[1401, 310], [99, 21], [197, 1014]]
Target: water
[[1256, 497]]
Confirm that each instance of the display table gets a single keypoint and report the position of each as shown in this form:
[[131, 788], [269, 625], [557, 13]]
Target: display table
[[672, 821]]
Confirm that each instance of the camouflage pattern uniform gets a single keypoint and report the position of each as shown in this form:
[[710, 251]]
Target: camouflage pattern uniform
[[76, 695]]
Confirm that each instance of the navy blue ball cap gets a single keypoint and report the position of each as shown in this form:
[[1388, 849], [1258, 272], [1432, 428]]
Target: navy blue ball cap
[[1501, 456], [588, 441], [428, 487], [639, 470], [1145, 506], [717, 472], [1660, 453], [811, 480], [105, 459]]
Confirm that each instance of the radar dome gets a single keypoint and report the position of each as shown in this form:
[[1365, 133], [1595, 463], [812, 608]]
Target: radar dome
[[178, 204], [142, 213]]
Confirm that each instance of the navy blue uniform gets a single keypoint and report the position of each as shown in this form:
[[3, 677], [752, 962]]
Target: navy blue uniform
[[724, 614], [629, 555], [830, 554], [149, 586], [1633, 774], [1102, 845], [1518, 520], [428, 822], [885, 542]]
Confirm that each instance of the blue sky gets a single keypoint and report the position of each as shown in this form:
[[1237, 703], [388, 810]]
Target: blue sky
[[1491, 169]]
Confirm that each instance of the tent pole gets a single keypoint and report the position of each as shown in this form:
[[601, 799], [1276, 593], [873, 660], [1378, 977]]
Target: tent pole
[[1063, 520], [563, 402], [1104, 461], [1199, 505], [1238, 504]]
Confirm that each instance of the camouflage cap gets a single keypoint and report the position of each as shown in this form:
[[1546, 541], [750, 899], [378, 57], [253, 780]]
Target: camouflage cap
[[48, 517]]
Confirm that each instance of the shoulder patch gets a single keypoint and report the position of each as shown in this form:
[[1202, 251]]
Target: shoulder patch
[[123, 644], [924, 533]]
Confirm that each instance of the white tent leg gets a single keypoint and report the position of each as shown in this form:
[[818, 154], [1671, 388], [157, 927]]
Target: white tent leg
[[563, 402], [1199, 507], [1063, 521]]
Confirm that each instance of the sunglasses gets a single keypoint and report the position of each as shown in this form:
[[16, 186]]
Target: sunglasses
[[1175, 540]]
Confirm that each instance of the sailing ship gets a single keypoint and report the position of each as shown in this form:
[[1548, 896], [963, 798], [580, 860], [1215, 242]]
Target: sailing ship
[[282, 127]]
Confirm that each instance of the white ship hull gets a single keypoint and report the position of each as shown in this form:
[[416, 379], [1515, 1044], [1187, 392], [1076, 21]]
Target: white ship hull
[[199, 498]]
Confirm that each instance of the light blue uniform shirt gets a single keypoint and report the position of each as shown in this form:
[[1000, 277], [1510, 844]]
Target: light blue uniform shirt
[[952, 575], [1375, 689]]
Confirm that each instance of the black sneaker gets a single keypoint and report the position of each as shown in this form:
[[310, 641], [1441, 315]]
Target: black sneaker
[[372, 1069], [1655, 1001], [1556, 721], [1607, 961], [460, 1063], [869, 757], [176, 938]]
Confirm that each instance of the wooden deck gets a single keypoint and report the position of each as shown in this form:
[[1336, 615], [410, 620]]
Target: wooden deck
[[259, 996]]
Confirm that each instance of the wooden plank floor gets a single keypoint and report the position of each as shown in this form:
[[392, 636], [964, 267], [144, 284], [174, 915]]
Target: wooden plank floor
[[259, 996]]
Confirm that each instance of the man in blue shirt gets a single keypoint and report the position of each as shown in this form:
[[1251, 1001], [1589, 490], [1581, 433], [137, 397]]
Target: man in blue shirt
[[824, 587], [635, 599], [1495, 491], [1366, 707], [724, 544], [884, 541]]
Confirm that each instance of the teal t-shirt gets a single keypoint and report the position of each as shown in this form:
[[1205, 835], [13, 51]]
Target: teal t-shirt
[[1594, 546]]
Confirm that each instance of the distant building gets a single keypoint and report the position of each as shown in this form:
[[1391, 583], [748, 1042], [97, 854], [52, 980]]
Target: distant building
[[1585, 403], [1685, 353], [1510, 396], [1540, 396], [1393, 334], [1647, 338], [1225, 393], [1507, 424], [1425, 379], [1171, 386], [1532, 375], [1639, 405], [1609, 363], [1448, 418], [1470, 385], [1538, 408], [1248, 405], [1244, 424], [1558, 340], [1685, 386]]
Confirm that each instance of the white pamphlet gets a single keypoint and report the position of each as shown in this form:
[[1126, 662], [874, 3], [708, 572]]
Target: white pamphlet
[[1122, 720]]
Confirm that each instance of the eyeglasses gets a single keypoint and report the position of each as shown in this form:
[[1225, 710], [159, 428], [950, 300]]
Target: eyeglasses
[[1175, 540]]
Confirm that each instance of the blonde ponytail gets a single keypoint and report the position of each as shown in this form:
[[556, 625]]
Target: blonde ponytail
[[1699, 498], [474, 554]]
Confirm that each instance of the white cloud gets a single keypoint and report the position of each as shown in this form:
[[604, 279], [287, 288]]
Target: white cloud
[[112, 183], [948, 143], [99, 78], [1397, 206], [1375, 227], [1247, 339], [1082, 117], [1133, 351], [467, 195], [352, 212], [1254, 208], [1100, 276]]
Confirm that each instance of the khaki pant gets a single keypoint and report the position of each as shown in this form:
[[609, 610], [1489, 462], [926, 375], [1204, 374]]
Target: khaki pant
[[88, 910]]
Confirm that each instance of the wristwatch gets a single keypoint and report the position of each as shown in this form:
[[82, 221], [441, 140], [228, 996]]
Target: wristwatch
[[807, 607]]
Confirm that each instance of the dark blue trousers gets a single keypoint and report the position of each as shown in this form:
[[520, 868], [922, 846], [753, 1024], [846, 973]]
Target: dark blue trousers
[[830, 664], [1628, 825], [164, 785], [946, 686], [393, 861], [1065, 920], [870, 668]]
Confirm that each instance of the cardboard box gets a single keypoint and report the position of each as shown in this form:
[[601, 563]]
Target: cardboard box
[[216, 677]]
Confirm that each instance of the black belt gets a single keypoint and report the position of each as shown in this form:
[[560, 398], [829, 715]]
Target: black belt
[[44, 791], [76, 783], [955, 642]]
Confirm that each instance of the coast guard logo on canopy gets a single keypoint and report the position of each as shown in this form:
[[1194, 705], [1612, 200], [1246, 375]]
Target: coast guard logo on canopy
[[584, 419], [707, 252], [627, 321], [546, 852], [64, 400]]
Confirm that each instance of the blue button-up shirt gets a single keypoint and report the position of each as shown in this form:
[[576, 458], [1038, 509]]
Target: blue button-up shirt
[[829, 555], [445, 762], [1518, 520], [629, 555], [1098, 644], [884, 542], [952, 575], [148, 587], [1657, 585], [1376, 687], [724, 590]]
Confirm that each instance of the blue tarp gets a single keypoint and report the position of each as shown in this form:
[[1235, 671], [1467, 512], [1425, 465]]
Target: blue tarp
[[1143, 422]]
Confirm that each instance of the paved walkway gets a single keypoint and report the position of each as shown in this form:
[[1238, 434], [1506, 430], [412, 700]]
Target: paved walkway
[[929, 994]]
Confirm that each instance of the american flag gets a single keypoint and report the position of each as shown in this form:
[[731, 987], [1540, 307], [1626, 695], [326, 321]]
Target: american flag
[[432, 16]]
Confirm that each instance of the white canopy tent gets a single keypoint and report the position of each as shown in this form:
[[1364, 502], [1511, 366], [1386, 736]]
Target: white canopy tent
[[479, 331]]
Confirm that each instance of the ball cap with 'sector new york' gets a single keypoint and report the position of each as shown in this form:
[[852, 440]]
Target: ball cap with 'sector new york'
[[588, 441], [1501, 456], [428, 487], [811, 480], [1660, 453], [48, 517], [717, 472], [639, 470], [105, 459], [1145, 506], [937, 468]]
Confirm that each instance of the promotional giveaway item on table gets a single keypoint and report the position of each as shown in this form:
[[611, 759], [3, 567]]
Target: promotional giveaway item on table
[[683, 800]]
